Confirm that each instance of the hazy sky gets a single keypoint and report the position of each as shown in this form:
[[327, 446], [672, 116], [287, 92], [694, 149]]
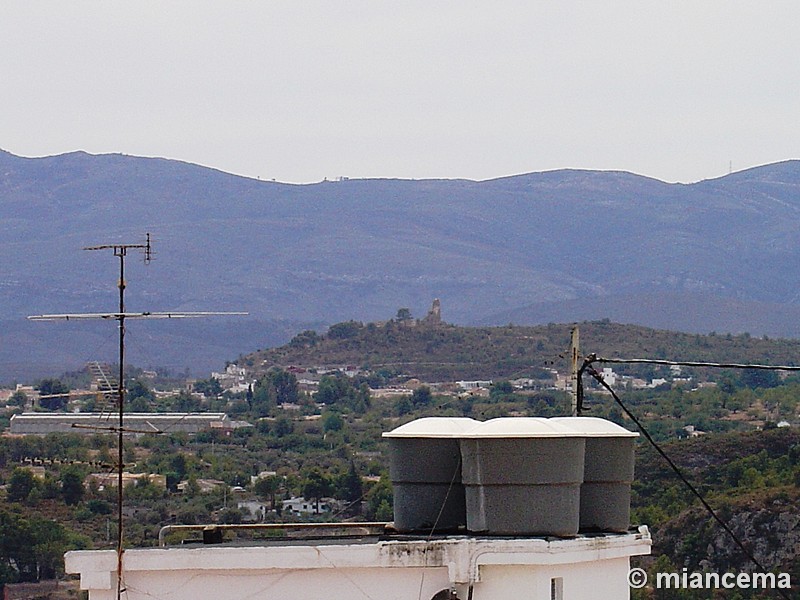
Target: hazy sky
[[298, 91]]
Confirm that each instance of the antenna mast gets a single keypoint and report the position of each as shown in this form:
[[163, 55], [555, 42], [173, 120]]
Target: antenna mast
[[121, 251]]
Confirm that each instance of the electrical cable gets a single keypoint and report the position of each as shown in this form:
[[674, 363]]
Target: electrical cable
[[593, 358], [435, 523], [456, 473], [677, 363], [587, 367]]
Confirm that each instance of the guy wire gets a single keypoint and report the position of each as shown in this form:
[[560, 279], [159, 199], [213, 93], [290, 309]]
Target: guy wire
[[587, 366]]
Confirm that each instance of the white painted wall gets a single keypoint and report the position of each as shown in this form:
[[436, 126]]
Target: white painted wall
[[498, 569]]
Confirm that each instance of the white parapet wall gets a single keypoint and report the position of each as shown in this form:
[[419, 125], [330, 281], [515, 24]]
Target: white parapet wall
[[583, 568]]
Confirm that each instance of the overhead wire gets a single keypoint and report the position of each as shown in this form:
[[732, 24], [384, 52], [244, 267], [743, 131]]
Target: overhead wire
[[686, 363], [588, 368], [435, 524]]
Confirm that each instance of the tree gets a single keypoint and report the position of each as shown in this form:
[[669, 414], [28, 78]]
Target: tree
[[283, 426], [305, 339], [379, 500], [185, 402], [138, 389], [139, 397], [53, 394], [99, 507], [341, 390], [18, 398], [332, 421], [500, 390], [362, 399], [384, 512], [287, 390], [138, 405], [72, 486], [727, 384], [30, 549], [210, 388], [350, 487], [403, 406], [403, 314], [758, 378], [261, 397], [276, 387], [172, 480], [231, 515], [316, 486], [331, 389], [178, 465], [342, 331], [20, 485], [421, 396], [267, 487], [192, 487]]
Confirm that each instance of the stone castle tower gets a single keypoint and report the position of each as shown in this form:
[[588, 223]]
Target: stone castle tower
[[434, 316]]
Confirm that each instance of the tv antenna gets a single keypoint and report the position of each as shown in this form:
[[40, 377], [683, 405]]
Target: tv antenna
[[121, 252]]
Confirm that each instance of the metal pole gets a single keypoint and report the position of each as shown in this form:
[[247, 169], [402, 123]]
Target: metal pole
[[575, 352], [120, 251], [121, 399]]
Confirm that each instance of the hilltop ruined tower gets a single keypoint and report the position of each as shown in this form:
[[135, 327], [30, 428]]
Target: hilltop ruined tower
[[434, 316]]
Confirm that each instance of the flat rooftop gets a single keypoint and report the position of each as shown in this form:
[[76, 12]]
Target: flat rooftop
[[448, 560]]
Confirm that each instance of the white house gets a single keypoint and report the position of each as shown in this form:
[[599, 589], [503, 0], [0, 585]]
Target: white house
[[254, 511], [234, 378], [301, 506], [474, 385], [609, 376]]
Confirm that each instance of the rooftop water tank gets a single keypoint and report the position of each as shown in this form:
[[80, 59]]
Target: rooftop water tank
[[607, 475], [522, 476], [425, 469]]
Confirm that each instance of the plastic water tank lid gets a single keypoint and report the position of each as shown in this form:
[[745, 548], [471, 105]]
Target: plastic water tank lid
[[595, 427], [433, 427], [521, 427]]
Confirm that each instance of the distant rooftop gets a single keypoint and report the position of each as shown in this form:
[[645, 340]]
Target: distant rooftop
[[44, 423]]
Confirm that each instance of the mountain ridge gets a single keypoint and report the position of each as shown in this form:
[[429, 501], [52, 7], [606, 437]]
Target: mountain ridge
[[361, 248]]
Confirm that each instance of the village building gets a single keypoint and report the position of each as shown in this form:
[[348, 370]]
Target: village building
[[303, 506], [111, 480]]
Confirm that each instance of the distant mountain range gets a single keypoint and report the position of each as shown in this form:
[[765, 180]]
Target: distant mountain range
[[559, 246]]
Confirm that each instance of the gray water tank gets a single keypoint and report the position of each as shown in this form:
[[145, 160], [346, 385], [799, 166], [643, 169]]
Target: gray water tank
[[522, 476], [607, 474], [425, 469]]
